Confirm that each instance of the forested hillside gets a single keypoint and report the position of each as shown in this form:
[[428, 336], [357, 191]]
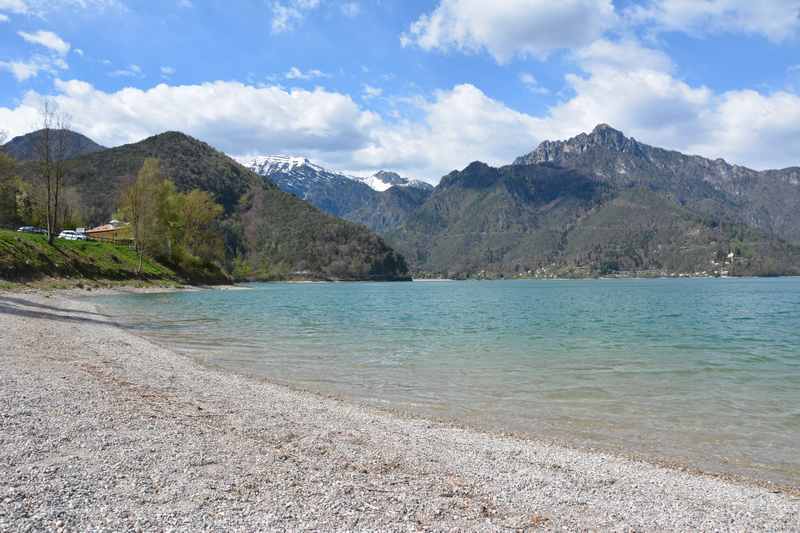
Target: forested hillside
[[546, 220], [267, 233]]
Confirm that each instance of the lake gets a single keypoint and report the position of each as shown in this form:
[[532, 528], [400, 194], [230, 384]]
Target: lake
[[704, 372]]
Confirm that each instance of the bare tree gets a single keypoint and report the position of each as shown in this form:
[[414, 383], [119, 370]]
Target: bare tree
[[50, 148]]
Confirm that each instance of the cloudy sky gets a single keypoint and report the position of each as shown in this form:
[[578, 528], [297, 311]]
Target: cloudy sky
[[420, 87]]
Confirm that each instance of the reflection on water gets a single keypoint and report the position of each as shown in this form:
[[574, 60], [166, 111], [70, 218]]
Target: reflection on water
[[701, 371]]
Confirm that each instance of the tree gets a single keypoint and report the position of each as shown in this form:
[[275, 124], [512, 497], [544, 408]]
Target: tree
[[9, 184], [180, 228], [201, 235], [50, 148], [139, 207]]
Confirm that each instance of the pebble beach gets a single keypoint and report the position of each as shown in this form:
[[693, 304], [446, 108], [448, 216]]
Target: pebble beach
[[102, 430]]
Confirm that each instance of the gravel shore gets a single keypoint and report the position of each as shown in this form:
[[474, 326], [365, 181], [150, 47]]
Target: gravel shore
[[103, 430]]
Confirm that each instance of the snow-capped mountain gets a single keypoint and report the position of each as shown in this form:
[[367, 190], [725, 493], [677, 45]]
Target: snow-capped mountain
[[269, 164], [381, 201], [384, 180], [303, 170], [296, 175]]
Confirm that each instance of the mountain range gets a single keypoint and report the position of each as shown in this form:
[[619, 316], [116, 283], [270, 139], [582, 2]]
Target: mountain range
[[600, 203], [603, 203], [381, 201], [271, 230]]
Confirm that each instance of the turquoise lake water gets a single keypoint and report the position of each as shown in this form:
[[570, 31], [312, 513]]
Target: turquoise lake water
[[705, 372]]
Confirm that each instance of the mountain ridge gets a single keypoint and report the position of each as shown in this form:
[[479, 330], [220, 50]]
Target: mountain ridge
[[23, 147], [545, 220], [768, 200]]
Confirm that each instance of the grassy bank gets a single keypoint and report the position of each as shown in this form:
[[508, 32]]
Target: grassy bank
[[26, 258]]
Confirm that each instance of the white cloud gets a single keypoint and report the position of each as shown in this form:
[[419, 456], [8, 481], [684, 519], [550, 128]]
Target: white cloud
[[52, 62], [287, 15], [626, 54], [167, 72], [78, 51], [3, 18], [47, 39], [758, 129], [295, 73], [132, 71], [428, 137], [351, 9], [237, 118], [43, 7], [371, 92], [633, 89], [21, 70], [460, 125], [530, 81], [649, 104], [512, 27], [775, 19], [14, 6]]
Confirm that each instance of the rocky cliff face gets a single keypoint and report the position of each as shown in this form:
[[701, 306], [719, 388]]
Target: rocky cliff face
[[768, 200]]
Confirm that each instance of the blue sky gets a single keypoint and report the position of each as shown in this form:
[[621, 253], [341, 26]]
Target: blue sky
[[421, 87]]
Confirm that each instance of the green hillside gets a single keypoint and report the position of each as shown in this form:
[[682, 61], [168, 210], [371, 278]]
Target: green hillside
[[25, 258], [268, 233]]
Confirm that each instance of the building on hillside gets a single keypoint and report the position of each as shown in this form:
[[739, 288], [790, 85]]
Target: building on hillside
[[114, 231]]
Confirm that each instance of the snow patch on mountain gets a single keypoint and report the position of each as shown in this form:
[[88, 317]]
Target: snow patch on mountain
[[272, 164], [383, 180], [302, 169], [374, 183]]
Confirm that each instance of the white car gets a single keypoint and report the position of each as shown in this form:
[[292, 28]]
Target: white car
[[71, 235]]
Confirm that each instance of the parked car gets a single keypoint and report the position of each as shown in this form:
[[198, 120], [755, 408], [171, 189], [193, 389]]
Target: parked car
[[72, 235], [32, 229]]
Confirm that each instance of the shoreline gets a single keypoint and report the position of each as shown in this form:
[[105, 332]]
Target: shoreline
[[81, 396], [455, 423], [534, 440]]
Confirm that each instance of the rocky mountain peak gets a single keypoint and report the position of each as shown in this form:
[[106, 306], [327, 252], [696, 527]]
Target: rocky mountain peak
[[602, 137], [606, 135]]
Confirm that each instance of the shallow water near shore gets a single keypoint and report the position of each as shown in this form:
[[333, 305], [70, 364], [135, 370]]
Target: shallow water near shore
[[704, 372]]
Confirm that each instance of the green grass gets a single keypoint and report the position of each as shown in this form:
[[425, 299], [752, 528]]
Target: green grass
[[26, 258]]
